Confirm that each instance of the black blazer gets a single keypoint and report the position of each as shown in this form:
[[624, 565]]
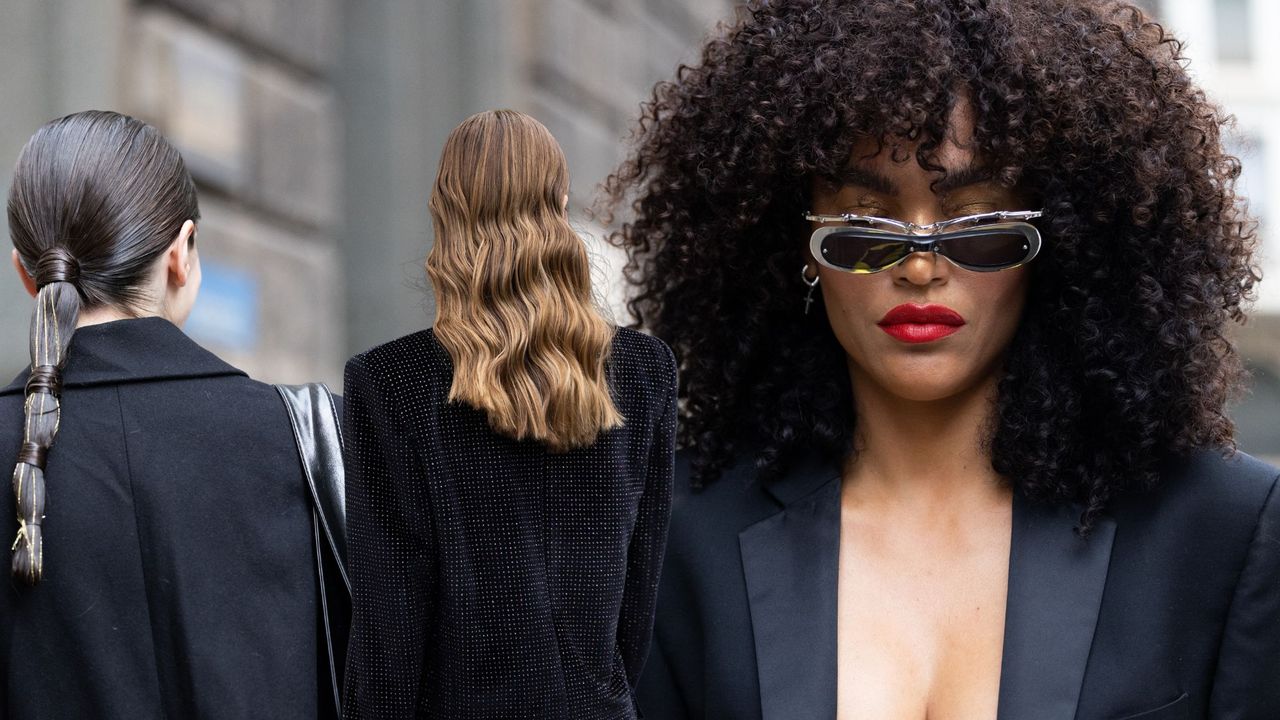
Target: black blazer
[[1169, 610], [491, 578], [179, 577]]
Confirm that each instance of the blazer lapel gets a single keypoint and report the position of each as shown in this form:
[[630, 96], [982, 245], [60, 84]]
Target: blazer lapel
[[790, 560], [1055, 591]]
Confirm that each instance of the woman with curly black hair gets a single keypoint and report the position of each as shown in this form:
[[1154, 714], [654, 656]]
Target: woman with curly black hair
[[949, 282]]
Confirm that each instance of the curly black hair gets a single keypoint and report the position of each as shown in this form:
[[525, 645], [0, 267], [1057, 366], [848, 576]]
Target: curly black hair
[[1120, 361]]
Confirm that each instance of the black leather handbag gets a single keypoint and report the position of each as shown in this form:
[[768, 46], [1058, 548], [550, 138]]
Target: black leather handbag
[[317, 428]]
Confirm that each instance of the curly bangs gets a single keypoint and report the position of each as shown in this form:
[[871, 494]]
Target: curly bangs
[[1120, 361]]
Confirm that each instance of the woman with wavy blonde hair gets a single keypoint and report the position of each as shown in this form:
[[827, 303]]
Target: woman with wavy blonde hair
[[509, 469]]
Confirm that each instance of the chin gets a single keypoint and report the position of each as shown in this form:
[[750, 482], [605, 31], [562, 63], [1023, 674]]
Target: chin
[[926, 382], [922, 392]]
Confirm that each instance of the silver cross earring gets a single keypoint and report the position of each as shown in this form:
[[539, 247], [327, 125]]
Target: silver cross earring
[[813, 284]]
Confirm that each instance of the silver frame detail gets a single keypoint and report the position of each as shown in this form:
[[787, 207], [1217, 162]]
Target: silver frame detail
[[925, 238]]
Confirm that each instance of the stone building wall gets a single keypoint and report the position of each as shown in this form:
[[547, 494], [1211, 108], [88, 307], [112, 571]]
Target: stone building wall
[[415, 70], [313, 129], [245, 89]]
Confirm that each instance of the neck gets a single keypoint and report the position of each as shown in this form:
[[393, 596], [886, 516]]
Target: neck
[[106, 314], [917, 453]]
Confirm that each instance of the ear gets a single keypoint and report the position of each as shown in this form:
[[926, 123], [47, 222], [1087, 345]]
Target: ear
[[564, 202], [27, 281], [178, 256]]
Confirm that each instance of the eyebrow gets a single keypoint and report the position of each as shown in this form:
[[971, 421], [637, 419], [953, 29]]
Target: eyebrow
[[870, 179], [967, 175]]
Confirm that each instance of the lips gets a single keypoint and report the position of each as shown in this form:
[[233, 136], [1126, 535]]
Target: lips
[[912, 323]]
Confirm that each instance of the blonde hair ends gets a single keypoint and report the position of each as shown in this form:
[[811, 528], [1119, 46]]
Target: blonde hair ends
[[512, 281]]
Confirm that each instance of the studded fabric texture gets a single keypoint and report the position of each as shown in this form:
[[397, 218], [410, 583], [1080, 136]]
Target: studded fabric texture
[[492, 578]]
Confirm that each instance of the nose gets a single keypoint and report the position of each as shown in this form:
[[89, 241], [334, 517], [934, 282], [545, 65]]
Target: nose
[[921, 269]]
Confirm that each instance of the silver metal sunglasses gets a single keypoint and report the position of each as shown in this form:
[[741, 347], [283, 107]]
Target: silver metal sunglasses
[[986, 242]]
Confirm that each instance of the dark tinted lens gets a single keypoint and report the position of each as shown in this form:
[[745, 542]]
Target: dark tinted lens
[[991, 250], [861, 252]]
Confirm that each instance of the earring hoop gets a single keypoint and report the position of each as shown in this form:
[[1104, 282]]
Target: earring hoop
[[804, 276]]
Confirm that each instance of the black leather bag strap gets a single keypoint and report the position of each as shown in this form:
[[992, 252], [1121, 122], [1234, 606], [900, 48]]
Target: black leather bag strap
[[317, 430]]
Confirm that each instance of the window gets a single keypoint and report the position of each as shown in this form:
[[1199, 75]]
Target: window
[[1251, 149], [1231, 29]]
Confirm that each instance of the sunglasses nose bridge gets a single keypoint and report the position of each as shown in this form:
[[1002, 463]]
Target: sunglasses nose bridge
[[918, 246], [921, 264]]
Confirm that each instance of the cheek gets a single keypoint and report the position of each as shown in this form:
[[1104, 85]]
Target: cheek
[[999, 298], [844, 294], [851, 302]]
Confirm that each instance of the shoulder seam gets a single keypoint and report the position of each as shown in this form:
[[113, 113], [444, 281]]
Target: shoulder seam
[[1248, 551]]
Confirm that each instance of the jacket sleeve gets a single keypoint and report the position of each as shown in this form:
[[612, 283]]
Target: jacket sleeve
[[649, 538], [658, 693], [389, 553], [1247, 681]]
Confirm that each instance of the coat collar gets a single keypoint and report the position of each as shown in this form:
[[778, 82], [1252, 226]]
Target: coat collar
[[133, 350], [791, 564], [1056, 580], [807, 475]]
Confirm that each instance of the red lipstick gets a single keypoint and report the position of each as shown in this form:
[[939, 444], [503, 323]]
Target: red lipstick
[[911, 323]]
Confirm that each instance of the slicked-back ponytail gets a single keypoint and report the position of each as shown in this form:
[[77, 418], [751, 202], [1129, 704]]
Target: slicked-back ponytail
[[52, 323], [97, 197]]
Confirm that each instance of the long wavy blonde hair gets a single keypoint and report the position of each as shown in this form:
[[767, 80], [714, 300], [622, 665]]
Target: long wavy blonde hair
[[512, 280]]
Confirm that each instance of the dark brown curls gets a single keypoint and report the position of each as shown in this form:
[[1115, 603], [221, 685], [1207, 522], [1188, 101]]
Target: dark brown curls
[[1085, 103]]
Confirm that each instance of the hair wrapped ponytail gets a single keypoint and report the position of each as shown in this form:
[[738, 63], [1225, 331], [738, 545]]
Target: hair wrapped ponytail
[[96, 199], [52, 324]]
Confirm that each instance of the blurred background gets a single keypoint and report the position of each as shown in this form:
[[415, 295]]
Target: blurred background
[[313, 128]]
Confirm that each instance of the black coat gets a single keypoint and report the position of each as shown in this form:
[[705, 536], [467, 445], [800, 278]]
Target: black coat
[[491, 578], [1170, 610], [179, 576]]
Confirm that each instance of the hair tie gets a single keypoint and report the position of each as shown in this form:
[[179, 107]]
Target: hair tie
[[45, 378], [33, 454], [56, 265]]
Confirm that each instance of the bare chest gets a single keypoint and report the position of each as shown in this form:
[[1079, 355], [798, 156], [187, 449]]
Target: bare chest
[[921, 624]]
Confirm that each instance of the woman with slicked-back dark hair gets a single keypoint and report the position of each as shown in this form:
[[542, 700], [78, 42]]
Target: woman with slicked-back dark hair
[[162, 558]]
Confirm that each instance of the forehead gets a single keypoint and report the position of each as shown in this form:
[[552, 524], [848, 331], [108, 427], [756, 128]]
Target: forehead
[[891, 155]]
